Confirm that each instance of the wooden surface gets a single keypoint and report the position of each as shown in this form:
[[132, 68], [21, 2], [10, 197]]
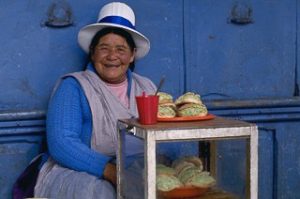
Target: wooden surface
[[217, 122]]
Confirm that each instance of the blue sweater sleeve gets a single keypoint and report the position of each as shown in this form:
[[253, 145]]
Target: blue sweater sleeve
[[69, 129]]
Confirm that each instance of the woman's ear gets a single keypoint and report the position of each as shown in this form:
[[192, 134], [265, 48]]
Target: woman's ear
[[91, 54], [133, 55]]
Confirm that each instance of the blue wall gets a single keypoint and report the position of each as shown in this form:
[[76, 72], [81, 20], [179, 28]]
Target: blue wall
[[245, 71]]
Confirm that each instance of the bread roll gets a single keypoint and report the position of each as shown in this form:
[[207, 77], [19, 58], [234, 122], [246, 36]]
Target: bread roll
[[202, 179], [195, 160], [164, 98], [167, 182], [167, 110], [163, 169], [186, 174], [182, 165], [188, 97], [192, 110], [188, 160]]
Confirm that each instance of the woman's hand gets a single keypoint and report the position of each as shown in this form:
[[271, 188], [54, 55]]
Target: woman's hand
[[110, 173]]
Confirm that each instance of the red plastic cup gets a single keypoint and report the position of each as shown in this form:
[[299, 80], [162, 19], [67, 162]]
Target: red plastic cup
[[147, 106]]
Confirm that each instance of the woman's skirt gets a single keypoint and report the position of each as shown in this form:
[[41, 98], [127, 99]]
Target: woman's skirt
[[55, 181]]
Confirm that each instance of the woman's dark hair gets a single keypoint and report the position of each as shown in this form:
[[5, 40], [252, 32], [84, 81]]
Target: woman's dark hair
[[117, 31]]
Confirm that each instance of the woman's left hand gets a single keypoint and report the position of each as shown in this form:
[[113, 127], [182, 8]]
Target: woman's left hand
[[110, 173]]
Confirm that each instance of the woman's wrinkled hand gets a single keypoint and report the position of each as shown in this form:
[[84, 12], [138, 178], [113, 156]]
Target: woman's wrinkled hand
[[110, 173]]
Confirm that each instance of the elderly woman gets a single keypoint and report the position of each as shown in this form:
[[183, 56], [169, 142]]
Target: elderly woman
[[85, 106]]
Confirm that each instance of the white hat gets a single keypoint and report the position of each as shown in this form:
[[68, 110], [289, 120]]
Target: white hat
[[119, 15]]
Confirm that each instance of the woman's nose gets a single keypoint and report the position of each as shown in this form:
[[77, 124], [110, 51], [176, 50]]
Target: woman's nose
[[112, 53]]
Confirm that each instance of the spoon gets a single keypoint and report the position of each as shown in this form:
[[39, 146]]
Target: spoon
[[160, 84]]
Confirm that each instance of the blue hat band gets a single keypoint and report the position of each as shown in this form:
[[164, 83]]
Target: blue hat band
[[117, 20]]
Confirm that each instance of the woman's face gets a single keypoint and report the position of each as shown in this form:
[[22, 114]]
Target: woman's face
[[111, 58]]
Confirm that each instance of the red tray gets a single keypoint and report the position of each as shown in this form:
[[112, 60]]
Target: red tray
[[183, 192], [185, 119]]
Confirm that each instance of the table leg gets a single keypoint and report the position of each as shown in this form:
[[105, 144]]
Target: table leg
[[150, 166], [120, 162], [254, 163]]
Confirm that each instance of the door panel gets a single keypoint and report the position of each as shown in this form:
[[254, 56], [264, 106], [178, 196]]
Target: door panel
[[225, 60], [161, 22]]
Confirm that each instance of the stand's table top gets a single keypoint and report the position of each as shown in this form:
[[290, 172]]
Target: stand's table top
[[217, 122], [218, 127]]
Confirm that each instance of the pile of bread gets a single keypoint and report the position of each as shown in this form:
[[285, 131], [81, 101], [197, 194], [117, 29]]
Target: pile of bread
[[184, 172], [188, 104]]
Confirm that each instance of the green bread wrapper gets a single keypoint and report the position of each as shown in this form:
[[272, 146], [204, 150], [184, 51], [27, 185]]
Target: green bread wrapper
[[192, 110], [163, 169], [202, 179], [167, 182]]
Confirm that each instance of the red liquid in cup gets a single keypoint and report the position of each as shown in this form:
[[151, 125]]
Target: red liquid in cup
[[147, 108]]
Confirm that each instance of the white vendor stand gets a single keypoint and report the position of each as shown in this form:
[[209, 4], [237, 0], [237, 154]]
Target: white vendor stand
[[216, 129]]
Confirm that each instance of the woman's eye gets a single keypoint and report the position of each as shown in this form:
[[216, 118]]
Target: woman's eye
[[103, 48], [121, 50]]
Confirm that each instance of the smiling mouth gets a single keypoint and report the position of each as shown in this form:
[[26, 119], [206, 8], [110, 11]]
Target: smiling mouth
[[111, 66]]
